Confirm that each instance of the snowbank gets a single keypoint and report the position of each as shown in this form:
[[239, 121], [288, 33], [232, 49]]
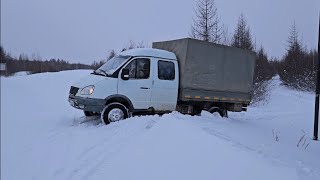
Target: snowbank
[[22, 73]]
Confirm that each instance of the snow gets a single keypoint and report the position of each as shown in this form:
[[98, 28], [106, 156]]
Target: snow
[[149, 52], [22, 73], [43, 137]]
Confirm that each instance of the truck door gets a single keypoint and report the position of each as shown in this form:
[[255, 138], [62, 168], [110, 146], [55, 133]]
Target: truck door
[[165, 86], [138, 87]]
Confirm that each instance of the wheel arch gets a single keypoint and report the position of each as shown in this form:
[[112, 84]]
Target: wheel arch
[[120, 99]]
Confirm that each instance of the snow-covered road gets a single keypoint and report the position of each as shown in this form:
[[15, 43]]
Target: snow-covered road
[[42, 137]]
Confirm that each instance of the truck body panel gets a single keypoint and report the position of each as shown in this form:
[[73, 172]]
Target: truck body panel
[[212, 72]]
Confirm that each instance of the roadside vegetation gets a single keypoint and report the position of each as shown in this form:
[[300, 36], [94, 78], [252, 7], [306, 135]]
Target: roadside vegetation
[[35, 64], [296, 68]]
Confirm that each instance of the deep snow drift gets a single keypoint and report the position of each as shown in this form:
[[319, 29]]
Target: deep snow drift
[[43, 137]]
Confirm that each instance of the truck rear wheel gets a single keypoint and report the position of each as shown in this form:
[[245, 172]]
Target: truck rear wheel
[[114, 112], [222, 112]]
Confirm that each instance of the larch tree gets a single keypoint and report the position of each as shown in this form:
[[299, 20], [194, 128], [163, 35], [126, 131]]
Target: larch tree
[[225, 37], [206, 22], [297, 66], [242, 36]]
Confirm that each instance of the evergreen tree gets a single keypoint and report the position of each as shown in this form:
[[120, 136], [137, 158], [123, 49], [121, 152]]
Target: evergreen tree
[[297, 68], [242, 36], [264, 69]]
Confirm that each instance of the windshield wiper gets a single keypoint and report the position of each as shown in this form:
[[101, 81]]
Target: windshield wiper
[[104, 72], [99, 72]]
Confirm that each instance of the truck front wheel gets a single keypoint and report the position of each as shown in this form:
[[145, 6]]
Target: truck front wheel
[[114, 112]]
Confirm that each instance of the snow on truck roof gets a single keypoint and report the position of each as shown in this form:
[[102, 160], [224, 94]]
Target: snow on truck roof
[[149, 52]]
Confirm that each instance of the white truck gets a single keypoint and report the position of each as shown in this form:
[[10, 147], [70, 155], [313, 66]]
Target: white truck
[[184, 75]]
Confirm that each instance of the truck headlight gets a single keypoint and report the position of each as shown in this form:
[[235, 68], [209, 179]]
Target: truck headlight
[[87, 90]]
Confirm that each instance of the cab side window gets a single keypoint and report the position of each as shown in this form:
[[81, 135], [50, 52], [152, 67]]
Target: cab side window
[[132, 69], [166, 70], [139, 68]]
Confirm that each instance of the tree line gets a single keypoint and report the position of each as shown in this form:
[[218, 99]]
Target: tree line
[[36, 64]]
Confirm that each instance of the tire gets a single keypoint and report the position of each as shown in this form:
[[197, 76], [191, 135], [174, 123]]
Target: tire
[[196, 112], [222, 112], [114, 112], [88, 113]]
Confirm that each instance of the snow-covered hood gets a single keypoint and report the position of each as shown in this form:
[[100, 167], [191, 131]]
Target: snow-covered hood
[[90, 79]]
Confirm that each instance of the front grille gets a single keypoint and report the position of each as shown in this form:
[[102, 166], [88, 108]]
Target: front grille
[[73, 90]]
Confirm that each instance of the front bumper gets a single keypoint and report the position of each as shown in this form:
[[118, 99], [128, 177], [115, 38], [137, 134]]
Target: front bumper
[[87, 104]]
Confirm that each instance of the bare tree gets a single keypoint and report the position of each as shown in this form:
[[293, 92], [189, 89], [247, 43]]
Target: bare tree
[[225, 37], [133, 45], [206, 23], [112, 53], [242, 36], [142, 44]]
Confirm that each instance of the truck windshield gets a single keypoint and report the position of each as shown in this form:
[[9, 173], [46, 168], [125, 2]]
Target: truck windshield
[[113, 64]]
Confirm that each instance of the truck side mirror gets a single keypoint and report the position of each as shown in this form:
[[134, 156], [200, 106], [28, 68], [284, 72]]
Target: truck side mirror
[[125, 74]]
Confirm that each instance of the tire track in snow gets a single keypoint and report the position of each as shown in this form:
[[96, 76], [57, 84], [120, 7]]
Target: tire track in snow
[[92, 157], [57, 131]]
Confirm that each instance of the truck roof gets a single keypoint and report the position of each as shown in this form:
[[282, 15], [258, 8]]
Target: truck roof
[[149, 52]]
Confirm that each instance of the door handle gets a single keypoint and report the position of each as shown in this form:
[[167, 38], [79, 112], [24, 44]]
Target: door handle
[[144, 88]]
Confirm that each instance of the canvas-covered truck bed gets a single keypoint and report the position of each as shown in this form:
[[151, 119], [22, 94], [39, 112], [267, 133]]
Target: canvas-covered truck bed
[[212, 72]]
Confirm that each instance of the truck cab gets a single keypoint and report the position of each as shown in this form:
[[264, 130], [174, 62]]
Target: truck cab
[[135, 81]]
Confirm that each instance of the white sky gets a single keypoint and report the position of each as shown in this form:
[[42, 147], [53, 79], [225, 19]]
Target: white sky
[[85, 30]]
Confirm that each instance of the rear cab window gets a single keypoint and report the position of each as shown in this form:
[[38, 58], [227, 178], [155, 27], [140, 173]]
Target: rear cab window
[[166, 70]]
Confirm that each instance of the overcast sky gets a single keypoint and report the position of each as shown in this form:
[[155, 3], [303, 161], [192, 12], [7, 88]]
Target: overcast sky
[[85, 30]]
